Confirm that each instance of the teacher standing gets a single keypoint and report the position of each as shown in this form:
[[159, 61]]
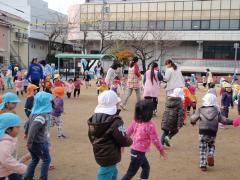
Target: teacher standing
[[173, 77], [35, 72]]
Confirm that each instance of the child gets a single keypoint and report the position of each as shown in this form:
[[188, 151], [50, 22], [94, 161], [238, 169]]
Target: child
[[31, 91], [87, 79], [143, 131], [212, 89], [107, 135], [58, 110], [19, 85], [57, 81], [226, 100], [9, 102], [193, 99], [25, 82], [116, 86], [209, 116], [9, 129], [173, 116], [47, 84], [2, 86], [77, 86], [98, 84], [37, 131], [186, 103], [69, 87], [103, 87]]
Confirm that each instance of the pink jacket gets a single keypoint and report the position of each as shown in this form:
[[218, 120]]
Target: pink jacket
[[143, 134], [69, 87], [8, 164]]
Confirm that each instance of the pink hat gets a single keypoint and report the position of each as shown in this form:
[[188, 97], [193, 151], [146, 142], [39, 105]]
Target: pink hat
[[236, 121]]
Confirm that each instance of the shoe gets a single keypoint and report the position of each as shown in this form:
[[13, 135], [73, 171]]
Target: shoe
[[28, 178], [166, 140], [203, 168], [61, 137], [221, 126], [210, 160]]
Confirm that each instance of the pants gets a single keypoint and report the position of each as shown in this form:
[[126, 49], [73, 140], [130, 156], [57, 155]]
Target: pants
[[19, 92], [25, 89], [69, 94], [76, 92], [138, 159], [57, 121], [39, 151], [12, 177], [154, 100], [170, 134], [129, 93], [108, 173], [225, 111], [206, 148], [9, 83], [36, 82], [192, 105]]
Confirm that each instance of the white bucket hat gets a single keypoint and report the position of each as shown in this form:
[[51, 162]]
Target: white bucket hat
[[107, 103], [178, 92], [209, 100]]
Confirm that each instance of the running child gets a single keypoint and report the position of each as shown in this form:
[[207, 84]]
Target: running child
[[103, 87], [19, 85], [173, 116], [37, 135], [57, 82], [209, 116], [226, 100], [77, 86], [47, 84], [9, 102], [87, 79], [69, 86], [31, 92], [58, 110], [10, 167], [25, 82], [143, 131], [193, 98], [2, 84], [107, 135]]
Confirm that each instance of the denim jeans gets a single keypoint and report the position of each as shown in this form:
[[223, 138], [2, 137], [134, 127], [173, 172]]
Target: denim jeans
[[138, 159], [12, 177], [108, 173], [170, 134], [225, 111], [129, 93], [39, 151]]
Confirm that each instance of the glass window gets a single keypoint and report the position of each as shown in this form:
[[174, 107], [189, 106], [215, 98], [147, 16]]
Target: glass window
[[215, 4], [186, 25], [168, 24], [225, 4], [178, 25], [113, 8], [195, 24], [153, 16], [97, 26], [178, 6], [128, 25], [161, 16], [90, 8], [214, 24], [120, 7], [97, 16], [197, 5], [234, 14], [170, 6], [144, 6], [224, 24], [205, 14], [128, 16], [144, 16], [235, 4], [160, 25], [161, 6], [83, 26], [196, 15], [128, 7], [120, 16], [206, 5], [136, 7], [153, 7], [234, 24], [83, 8], [120, 25], [169, 15], [152, 25], [144, 25], [178, 15], [187, 5], [224, 14], [136, 16], [205, 24], [215, 14], [136, 25], [187, 15], [112, 16], [112, 25], [105, 25]]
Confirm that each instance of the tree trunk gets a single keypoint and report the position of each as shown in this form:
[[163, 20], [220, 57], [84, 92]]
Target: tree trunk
[[144, 65]]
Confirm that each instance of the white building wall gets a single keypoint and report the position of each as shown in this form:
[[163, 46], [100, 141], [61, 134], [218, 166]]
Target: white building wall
[[37, 49]]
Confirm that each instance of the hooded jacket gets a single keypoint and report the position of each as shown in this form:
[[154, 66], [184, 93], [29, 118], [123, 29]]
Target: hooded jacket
[[173, 115], [8, 164], [107, 135], [35, 72], [209, 117]]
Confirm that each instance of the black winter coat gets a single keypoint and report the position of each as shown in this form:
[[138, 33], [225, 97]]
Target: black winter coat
[[173, 115], [107, 136]]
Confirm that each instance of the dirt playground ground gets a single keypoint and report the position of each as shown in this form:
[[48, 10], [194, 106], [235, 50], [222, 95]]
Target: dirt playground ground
[[74, 160]]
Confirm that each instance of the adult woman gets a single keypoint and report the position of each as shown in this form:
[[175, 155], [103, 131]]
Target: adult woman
[[133, 82], [98, 70], [173, 77], [35, 72], [152, 84], [111, 74]]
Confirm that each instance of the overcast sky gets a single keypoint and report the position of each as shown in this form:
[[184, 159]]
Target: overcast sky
[[62, 5]]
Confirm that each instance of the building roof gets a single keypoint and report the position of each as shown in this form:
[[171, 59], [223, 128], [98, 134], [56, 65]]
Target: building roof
[[4, 13]]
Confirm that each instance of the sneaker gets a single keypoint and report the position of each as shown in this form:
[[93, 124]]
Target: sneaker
[[203, 168], [221, 126], [166, 140], [210, 160], [61, 137]]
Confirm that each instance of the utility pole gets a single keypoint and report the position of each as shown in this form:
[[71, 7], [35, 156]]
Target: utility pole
[[236, 46]]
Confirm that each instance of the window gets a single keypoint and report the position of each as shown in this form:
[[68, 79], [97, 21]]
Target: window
[[186, 25], [160, 25], [195, 24], [33, 46], [144, 25], [152, 25], [224, 24], [112, 25], [169, 25], [205, 24], [178, 25], [83, 26], [136, 25], [128, 25], [120, 25], [214, 24], [234, 24]]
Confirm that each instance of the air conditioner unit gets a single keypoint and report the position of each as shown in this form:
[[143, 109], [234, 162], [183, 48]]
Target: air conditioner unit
[[19, 35]]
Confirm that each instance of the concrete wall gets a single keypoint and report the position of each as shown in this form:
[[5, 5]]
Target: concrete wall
[[5, 42], [37, 49]]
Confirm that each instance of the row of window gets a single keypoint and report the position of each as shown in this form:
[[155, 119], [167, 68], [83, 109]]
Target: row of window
[[164, 25]]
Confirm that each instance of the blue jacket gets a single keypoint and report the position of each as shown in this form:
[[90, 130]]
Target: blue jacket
[[29, 105], [35, 72], [227, 100]]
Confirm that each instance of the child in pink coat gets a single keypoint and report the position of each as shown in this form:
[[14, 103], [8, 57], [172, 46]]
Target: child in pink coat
[[9, 128], [143, 132], [69, 87], [19, 85]]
